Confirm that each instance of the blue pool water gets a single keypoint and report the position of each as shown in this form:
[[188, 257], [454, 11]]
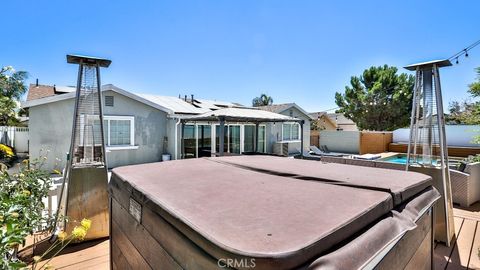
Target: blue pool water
[[402, 159]]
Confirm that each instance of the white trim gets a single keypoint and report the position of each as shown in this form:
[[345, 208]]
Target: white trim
[[127, 147], [291, 132], [108, 118]]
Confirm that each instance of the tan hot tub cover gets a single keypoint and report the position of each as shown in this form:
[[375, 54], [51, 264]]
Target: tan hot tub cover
[[285, 213]]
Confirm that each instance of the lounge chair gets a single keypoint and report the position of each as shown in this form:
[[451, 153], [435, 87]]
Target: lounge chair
[[315, 151]]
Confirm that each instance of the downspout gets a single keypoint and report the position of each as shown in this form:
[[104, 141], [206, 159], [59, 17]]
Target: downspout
[[176, 138]]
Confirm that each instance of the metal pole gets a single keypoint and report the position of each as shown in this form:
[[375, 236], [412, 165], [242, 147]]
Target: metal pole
[[257, 133], [417, 116], [444, 157], [412, 119], [100, 110], [182, 143], [68, 162], [301, 137], [222, 136]]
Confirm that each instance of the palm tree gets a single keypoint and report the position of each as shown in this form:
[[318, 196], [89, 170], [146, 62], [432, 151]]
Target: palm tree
[[263, 100]]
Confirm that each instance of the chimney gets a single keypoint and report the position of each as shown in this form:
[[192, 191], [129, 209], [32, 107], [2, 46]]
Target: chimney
[[36, 84]]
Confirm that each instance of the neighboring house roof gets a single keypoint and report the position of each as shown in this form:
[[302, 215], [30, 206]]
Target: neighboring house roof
[[340, 119], [168, 104], [324, 115], [36, 91], [279, 108]]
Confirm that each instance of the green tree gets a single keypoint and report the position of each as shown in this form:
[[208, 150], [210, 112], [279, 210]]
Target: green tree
[[12, 87], [464, 113], [262, 100], [467, 112], [379, 99], [474, 88]]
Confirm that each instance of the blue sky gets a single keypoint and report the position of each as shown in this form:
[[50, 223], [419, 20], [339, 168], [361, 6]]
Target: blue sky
[[296, 51]]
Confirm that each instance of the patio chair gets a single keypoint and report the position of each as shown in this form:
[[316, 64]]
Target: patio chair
[[466, 185], [315, 151]]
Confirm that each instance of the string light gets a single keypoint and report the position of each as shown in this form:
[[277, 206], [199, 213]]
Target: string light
[[464, 52]]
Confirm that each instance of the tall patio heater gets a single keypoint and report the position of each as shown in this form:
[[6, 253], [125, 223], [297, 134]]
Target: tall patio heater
[[84, 189], [427, 147]]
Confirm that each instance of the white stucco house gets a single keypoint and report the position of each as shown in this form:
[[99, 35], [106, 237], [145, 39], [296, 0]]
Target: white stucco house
[[139, 128]]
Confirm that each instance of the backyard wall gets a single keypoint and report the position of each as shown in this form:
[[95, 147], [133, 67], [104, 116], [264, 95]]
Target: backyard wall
[[50, 128], [374, 142], [341, 141]]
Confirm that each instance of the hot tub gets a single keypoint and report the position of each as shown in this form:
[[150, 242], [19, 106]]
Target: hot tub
[[262, 212]]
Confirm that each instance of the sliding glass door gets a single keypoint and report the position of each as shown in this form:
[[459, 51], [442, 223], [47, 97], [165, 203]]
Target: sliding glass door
[[217, 139], [204, 140], [261, 139], [189, 142], [249, 138], [234, 139]]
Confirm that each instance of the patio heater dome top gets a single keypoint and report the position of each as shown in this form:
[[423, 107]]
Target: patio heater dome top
[[423, 65], [88, 60]]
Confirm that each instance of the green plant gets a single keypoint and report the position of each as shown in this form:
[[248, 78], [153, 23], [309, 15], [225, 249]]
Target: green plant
[[21, 209], [472, 159], [6, 151], [63, 239]]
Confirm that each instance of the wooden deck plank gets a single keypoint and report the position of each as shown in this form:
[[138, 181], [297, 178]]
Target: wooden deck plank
[[94, 257], [442, 253], [461, 252], [475, 253]]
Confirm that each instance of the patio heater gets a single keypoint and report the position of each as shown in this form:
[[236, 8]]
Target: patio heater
[[427, 148], [84, 189]]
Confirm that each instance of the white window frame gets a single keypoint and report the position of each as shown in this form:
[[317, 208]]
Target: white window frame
[[132, 145], [291, 132]]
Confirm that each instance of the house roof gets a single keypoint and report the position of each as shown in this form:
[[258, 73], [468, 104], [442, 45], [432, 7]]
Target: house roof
[[36, 91], [169, 104], [279, 108], [340, 119], [324, 115], [242, 115]]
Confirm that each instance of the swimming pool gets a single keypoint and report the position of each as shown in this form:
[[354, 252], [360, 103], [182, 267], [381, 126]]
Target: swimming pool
[[402, 159]]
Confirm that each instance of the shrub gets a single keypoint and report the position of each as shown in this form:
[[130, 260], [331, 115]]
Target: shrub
[[7, 154], [21, 209]]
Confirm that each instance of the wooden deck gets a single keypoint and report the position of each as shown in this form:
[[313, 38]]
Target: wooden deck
[[462, 254]]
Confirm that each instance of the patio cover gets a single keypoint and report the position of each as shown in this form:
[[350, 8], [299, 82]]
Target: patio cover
[[246, 115], [241, 115]]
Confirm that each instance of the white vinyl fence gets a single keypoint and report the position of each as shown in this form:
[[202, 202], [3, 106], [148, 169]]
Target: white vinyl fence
[[16, 137], [457, 135], [341, 141]]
